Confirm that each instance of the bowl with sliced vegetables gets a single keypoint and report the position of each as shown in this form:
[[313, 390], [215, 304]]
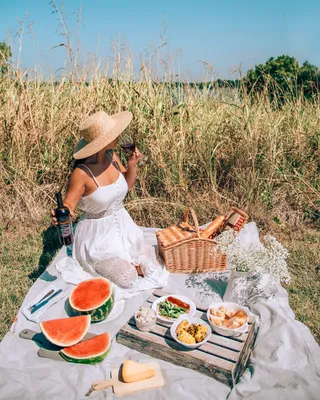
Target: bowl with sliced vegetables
[[170, 308]]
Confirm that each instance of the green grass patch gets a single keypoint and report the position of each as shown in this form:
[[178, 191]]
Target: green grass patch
[[24, 255]]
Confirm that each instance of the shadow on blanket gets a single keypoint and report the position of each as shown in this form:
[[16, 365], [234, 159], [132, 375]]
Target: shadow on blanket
[[50, 246]]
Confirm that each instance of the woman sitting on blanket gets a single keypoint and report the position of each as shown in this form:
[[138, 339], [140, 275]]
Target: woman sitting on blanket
[[107, 242]]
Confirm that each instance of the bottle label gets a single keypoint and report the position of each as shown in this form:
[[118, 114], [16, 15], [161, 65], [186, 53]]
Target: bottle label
[[65, 228]]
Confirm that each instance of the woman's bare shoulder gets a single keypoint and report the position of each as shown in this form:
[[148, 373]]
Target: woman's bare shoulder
[[78, 175]]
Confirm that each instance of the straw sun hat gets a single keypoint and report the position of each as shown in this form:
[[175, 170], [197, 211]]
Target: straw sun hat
[[98, 131]]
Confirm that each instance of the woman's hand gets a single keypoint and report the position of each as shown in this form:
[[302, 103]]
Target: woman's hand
[[134, 158], [131, 172], [54, 219]]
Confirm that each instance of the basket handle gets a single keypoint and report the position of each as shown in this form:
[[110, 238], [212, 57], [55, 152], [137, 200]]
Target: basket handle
[[194, 217]]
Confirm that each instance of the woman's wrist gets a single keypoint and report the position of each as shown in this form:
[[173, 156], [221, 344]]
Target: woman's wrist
[[132, 167], [131, 175]]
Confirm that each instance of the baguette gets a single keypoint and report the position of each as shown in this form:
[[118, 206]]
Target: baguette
[[213, 227]]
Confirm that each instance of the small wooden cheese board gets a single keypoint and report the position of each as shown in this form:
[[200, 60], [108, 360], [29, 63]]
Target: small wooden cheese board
[[121, 388], [222, 358]]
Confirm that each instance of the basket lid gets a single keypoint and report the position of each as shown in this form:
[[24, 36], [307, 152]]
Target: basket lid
[[236, 218], [173, 235]]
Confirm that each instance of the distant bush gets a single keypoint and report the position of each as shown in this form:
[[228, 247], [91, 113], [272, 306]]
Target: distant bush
[[5, 54], [283, 78]]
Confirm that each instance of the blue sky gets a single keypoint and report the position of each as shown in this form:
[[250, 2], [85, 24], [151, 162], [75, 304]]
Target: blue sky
[[225, 33]]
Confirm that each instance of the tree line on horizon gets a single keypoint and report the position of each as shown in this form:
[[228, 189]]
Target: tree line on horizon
[[281, 78]]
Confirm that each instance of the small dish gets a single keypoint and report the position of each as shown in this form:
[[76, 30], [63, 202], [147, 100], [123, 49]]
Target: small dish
[[167, 320], [146, 319], [221, 330], [191, 320]]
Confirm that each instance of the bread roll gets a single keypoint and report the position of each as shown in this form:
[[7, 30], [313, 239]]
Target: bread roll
[[240, 314], [235, 324], [216, 320], [213, 227], [220, 313]]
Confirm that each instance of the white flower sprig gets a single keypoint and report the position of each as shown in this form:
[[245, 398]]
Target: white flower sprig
[[269, 257]]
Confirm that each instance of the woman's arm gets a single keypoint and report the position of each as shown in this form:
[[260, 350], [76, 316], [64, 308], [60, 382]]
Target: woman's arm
[[75, 190], [130, 173]]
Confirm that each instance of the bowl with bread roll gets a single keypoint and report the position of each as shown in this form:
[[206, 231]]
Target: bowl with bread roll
[[228, 319]]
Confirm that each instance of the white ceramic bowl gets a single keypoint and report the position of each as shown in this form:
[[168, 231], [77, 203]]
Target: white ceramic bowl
[[191, 320], [145, 326], [168, 321], [234, 307]]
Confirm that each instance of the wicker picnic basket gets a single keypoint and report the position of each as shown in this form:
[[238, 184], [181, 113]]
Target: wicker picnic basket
[[185, 251]]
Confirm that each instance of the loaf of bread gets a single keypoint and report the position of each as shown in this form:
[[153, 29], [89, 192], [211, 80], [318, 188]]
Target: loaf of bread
[[213, 227]]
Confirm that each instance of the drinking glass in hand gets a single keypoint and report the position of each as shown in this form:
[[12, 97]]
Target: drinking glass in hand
[[127, 144]]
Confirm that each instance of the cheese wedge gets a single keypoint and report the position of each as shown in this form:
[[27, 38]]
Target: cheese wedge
[[134, 372]]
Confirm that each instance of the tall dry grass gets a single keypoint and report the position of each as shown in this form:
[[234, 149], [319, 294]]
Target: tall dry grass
[[207, 150]]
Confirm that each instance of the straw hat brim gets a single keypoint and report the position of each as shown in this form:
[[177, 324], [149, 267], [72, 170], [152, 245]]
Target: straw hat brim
[[84, 149]]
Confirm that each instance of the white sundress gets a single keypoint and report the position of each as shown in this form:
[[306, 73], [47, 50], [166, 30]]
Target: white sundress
[[107, 242]]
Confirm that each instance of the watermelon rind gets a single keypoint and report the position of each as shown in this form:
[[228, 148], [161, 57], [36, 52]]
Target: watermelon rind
[[63, 343], [99, 313], [88, 361], [94, 359]]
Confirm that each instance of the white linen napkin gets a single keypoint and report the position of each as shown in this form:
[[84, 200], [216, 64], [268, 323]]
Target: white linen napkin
[[73, 273], [35, 317]]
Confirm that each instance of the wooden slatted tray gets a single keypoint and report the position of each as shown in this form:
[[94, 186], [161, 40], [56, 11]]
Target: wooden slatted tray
[[222, 358]]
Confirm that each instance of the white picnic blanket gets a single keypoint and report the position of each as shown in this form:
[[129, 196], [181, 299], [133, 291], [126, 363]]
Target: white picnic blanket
[[285, 363]]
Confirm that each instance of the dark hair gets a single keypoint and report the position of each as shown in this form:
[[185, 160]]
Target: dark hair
[[77, 162]]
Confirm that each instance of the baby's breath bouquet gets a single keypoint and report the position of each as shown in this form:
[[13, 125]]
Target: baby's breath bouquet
[[269, 257]]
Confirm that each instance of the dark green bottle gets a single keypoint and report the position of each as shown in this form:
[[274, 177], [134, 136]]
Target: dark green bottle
[[64, 222]]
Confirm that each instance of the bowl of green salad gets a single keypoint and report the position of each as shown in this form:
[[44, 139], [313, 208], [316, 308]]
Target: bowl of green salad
[[171, 307]]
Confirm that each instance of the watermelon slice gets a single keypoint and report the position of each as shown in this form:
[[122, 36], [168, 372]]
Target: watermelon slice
[[66, 332], [95, 297], [91, 351]]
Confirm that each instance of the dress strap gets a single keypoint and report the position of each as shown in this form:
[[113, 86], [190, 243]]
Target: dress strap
[[93, 177]]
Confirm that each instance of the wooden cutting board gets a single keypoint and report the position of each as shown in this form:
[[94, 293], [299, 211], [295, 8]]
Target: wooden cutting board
[[121, 388], [47, 349]]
